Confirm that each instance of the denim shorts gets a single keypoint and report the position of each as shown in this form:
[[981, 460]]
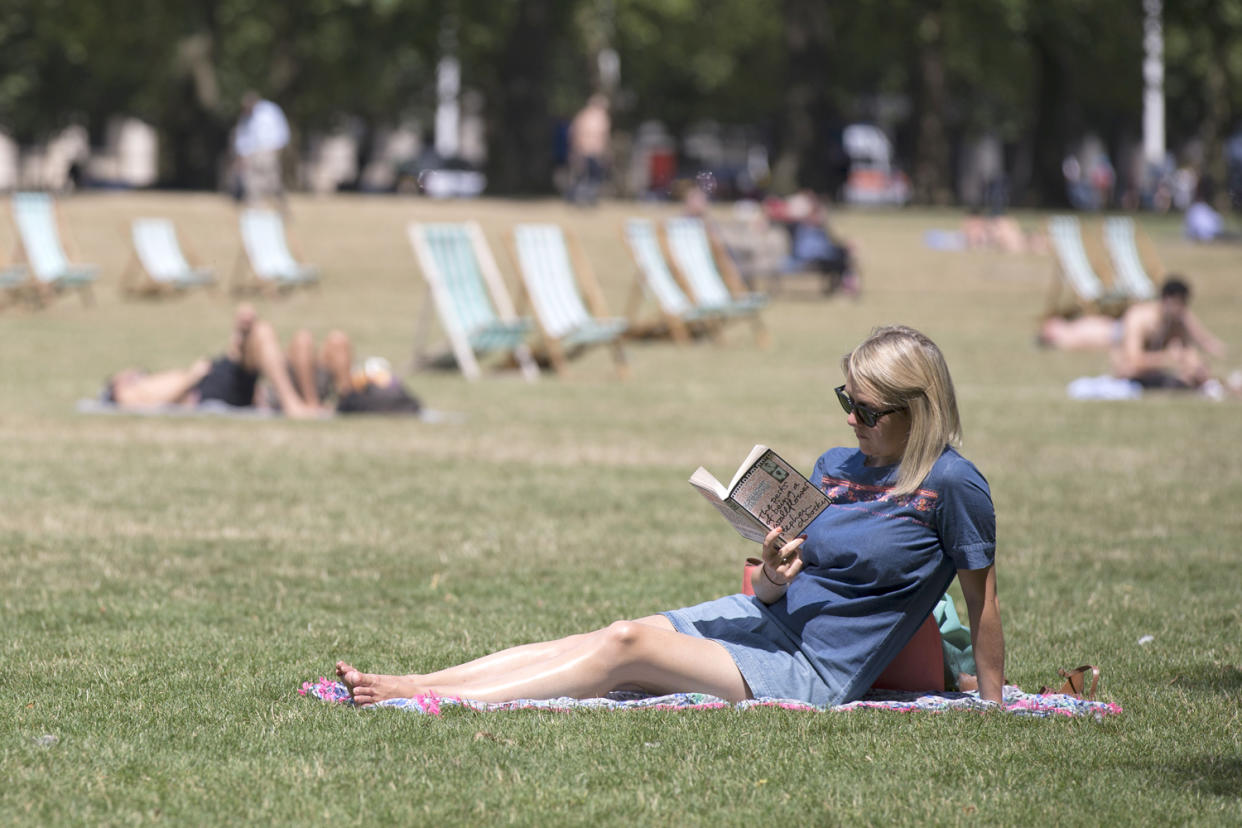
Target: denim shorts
[[766, 654]]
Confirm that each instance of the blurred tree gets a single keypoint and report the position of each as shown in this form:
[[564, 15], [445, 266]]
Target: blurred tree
[[932, 170], [510, 51], [810, 152], [1037, 73], [1203, 77]]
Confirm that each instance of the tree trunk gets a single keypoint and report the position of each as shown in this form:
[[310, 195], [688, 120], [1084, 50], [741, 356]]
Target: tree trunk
[[809, 152], [931, 168], [1215, 118], [519, 135], [196, 137], [1050, 130]]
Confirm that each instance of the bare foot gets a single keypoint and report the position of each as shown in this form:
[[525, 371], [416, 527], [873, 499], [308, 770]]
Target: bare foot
[[369, 688], [302, 411]]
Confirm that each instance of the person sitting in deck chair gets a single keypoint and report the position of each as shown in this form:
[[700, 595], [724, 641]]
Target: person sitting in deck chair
[[300, 380], [813, 248]]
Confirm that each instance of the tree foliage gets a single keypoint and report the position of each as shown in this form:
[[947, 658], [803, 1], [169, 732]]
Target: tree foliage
[[1038, 74]]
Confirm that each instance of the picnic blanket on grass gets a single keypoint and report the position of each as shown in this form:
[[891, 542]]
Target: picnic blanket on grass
[[1103, 387], [1016, 702]]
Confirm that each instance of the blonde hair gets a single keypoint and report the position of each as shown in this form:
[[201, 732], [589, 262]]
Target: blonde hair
[[898, 367]]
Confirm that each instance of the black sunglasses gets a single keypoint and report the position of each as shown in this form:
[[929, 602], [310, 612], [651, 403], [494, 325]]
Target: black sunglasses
[[868, 416]]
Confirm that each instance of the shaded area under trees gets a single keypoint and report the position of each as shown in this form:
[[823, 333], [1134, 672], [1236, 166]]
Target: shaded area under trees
[[1037, 74]]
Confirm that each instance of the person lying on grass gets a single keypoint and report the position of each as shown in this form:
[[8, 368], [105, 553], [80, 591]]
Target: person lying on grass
[[832, 607], [299, 379], [1159, 343]]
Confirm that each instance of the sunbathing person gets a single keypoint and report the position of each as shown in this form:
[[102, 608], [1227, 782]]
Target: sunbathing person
[[1163, 344], [997, 231], [1159, 343], [299, 379], [831, 608]]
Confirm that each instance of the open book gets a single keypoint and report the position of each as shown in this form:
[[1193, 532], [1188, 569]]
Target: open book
[[765, 492]]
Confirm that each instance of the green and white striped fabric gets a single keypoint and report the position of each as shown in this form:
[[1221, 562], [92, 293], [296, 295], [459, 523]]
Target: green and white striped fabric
[[36, 225], [692, 252], [155, 242], [549, 278], [1130, 276], [263, 236]]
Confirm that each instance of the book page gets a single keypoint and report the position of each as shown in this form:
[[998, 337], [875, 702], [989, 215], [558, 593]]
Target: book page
[[705, 481], [778, 495], [751, 459], [746, 524]]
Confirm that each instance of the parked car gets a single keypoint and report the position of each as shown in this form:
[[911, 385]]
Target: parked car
[[437, 177]]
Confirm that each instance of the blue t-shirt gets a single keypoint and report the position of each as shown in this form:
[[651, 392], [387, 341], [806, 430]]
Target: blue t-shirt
[[875, 565]]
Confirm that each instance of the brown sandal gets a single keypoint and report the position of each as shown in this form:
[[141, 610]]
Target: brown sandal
[[1076, 683]]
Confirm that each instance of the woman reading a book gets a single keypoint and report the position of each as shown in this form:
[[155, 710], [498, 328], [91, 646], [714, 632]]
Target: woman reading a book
[[831, 607]]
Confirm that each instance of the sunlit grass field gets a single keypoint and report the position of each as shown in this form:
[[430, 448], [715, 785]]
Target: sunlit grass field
[[168, 583]]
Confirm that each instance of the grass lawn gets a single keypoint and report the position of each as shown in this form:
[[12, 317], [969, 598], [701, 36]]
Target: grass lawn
[[167, 584]]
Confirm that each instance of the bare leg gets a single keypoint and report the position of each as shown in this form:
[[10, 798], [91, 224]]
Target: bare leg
[[509, 660], [1086, 333], [243, 321], [133, 389], [261, 352], [301, 356], [625, 654], [516, 658], [338, 357]]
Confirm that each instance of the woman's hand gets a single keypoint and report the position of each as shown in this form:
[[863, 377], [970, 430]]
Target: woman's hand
[[781, 561]]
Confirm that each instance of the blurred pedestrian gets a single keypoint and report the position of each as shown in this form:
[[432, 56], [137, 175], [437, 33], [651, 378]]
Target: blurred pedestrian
[[1202, 222], [261, 133], [589, 137]]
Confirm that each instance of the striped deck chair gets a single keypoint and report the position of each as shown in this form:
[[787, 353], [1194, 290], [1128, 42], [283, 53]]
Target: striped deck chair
[[42, 250], [158, 265], [1076, 271], [693, 254], [552, 285], [679, 316], [1129, 274], [470, 299], [265, 256]]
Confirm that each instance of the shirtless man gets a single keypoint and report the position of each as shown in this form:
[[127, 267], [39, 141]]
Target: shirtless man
[[1097, 332], [1162, 344], [296, 377], [588, 149]]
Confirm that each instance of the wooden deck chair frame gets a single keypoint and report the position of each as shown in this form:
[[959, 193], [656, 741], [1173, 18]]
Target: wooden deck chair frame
[[14, 283], [679, 319], [1130, 263], [38, 288], [756, 252], [437, 290], [583, 283], [724, 271], [245, 278], [138, 280], [1076, 269]]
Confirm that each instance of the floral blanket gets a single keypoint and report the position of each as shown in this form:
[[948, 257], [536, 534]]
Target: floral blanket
[[1016, 702]]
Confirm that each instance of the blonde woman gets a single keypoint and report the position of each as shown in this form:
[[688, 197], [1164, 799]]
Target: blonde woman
[[831, 608]]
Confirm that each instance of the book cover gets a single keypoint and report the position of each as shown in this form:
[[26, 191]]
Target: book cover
[[765, 492]]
